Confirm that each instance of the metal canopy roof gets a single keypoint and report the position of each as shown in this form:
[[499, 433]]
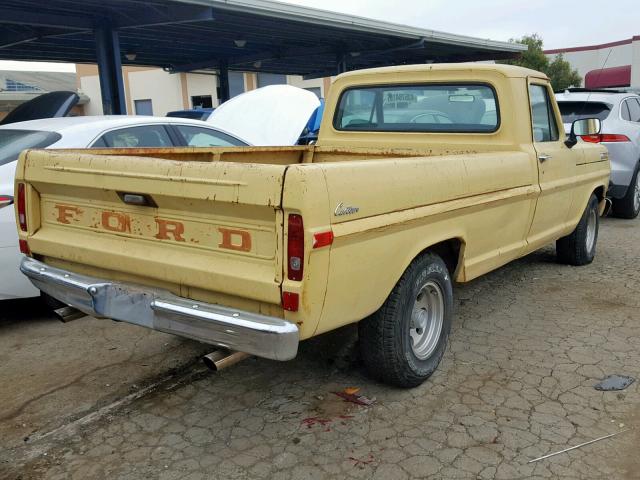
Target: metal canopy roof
[[246, 35]]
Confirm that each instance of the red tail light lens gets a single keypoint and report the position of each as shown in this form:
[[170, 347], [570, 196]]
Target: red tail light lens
[[295, 248], [605, 137], [290, 301], [22, 207], [24, 247]]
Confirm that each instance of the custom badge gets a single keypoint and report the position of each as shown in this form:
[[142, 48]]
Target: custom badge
[[343, 209]]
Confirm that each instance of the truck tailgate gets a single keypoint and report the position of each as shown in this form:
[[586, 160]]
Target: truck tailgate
[[214, 226]]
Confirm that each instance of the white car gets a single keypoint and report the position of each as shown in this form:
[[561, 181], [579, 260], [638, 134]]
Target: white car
[[273, 115], [82, 132]]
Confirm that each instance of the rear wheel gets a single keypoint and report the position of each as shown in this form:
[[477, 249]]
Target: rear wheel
[[579, 248], [629, 205], [403, 342]]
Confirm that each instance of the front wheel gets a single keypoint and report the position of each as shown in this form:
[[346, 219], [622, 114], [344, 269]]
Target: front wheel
[[579, 248], [403, 342]]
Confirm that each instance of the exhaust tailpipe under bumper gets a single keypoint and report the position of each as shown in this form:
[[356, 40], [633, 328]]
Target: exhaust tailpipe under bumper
[[220, 359]]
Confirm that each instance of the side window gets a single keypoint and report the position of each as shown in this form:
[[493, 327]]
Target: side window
[[634, 109], [145, 136], [205, 137], [545, 127], [99, 143], [625, 111]]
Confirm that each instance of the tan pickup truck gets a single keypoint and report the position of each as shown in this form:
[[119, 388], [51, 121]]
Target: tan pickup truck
[[421, 176]]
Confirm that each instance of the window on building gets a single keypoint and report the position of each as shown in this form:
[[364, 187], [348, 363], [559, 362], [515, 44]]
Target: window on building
[[15, 86], [144, 136], [201, 101], [265, 79], [143, 107], [236, 83]]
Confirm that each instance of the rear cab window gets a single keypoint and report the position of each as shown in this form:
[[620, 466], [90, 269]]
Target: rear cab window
[[12, 142], [444, 108]]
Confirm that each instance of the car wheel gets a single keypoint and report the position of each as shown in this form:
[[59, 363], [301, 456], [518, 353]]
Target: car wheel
[[579, 248], [403, 342], [629, 205]]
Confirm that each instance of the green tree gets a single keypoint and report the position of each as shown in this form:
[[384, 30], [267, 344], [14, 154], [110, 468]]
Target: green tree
[[559, 71], [562, 75]]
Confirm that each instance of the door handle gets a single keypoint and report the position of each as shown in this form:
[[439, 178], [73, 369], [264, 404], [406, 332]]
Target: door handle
[[543, 157]]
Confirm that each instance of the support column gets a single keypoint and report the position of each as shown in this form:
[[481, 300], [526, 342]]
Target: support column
[[110, 69], [223, 78], [342, 63]]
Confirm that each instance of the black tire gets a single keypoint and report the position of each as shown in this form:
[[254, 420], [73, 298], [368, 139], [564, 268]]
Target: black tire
[[384, 337], [576, 249], [50, 302], [627, 206]]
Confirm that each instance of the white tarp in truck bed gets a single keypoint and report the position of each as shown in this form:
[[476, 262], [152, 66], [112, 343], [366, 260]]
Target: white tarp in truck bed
[[269, 116]]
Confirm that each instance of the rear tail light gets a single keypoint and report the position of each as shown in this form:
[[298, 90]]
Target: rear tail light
[[605, 137], [24, 247], [5, 200], [22, 207], [290, 301], [295, 248]]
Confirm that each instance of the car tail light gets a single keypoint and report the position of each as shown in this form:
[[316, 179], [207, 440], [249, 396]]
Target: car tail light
[[24, 247], [322, 239], [5, 200], [605, 137], [295, 248], [22, 207], [290, 301]]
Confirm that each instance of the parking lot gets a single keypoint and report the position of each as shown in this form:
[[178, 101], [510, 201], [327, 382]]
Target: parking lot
[[99, 399]]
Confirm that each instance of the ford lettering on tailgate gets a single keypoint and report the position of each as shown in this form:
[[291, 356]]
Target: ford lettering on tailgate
[[204, 233]]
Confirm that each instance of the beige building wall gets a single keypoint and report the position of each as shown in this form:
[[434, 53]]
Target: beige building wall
[[90, 86], [299, 82], [588, 60], [635, 63], [167, 91], [595, 57], [201, 84], [164, 90]]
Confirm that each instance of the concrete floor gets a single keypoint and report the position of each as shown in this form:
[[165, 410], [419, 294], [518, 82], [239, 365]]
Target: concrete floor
[[98, 399]]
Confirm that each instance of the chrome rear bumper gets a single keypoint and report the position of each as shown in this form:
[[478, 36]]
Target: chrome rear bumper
[[260, 335]]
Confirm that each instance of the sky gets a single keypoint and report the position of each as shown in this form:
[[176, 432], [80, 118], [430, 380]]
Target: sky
[[560, 23]]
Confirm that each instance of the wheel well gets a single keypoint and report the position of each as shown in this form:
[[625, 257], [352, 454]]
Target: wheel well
[[599, 193], [449, 251]]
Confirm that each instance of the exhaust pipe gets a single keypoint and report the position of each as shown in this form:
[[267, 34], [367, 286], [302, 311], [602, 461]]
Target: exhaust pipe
[[66, 314], [220, 359]]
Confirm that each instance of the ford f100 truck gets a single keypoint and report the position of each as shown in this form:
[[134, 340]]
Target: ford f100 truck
[[422, 176]]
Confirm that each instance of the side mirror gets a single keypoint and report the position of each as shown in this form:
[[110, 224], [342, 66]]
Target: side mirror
[[584, 126]]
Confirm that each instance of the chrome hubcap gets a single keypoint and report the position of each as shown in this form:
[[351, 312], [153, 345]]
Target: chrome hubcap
[[636, 194], [427, 319], [592, 223]]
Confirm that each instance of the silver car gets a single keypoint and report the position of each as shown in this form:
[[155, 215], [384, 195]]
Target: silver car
[[620, 116]]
